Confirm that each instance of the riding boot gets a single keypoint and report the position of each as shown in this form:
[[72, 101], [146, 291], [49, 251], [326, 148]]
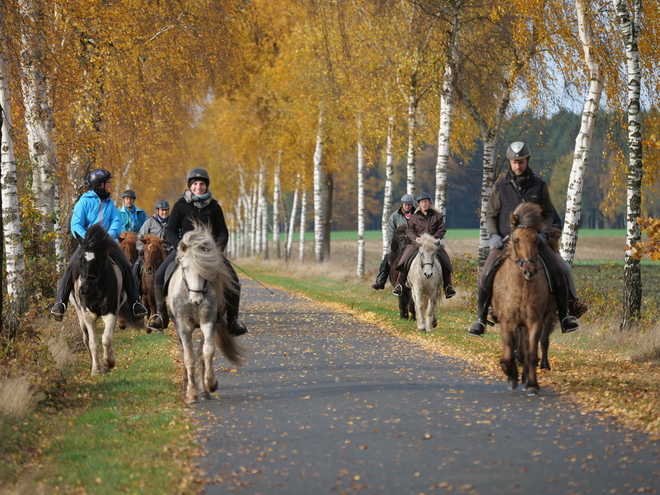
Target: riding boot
[[161, 319], [446, 278], [400, 282], [381, 278], [233, 299], [478, 328], [568, 322]]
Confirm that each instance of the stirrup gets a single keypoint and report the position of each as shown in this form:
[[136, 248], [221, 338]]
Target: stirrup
[[569, 324], [398, 290], [155, 322], [450, 291], [477, 329], [139, 310], [58, 315]]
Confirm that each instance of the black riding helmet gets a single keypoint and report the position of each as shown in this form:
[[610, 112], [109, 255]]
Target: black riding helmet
[[97, 177], [129, 193], [424, 196], [199, 174], [518, 151], [162, 205]]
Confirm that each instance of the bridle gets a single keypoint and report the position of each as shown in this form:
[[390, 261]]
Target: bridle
[[204, 289], [518, 261]]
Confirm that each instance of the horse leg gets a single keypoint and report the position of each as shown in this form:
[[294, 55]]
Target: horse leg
[[545, 346], [431, 322], [92, 343], [185, 337], [532, 357], [403, 307], [508, 362], [109, 321], [210, 381], [419, 308]]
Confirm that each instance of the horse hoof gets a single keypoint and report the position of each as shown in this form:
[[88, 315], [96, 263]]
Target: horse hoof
[[192, 400], [214, 386], [545, 366], [148, 330], [205, 396], [512, 384], [532, 392], [523, 387]]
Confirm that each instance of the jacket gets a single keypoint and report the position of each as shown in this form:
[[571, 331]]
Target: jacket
[[397, 219], [127, 222], [90, 209], [507, 195], [433, 223], [154, 226], [181, 221]]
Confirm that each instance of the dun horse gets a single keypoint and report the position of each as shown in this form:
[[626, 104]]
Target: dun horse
[[522, 299], [424, 279], [397, 246], [195, 298], [98, 292], [154, 255]]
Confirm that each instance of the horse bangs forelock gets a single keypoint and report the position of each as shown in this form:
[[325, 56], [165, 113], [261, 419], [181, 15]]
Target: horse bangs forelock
[[427, 243], [97, 239], [528, 214], [204, 256]]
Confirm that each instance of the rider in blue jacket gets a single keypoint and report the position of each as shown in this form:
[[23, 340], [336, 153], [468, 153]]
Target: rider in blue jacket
[[93, 207], [132, 218]]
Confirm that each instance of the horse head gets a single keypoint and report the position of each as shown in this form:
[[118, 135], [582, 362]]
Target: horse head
[[526, 223], [153, 253], [426, 255], [128, 244], [93, 262]]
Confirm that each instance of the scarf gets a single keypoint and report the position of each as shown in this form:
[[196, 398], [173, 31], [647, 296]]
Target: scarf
[[199, 201]]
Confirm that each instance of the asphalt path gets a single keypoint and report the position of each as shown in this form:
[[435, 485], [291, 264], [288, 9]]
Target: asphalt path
[[328, 404]]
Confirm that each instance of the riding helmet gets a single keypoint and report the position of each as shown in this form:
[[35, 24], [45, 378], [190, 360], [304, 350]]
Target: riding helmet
[[424, 196], [199, 174], [129, 193], [162, 205], [518, 151], [97, 177], [407, 198]]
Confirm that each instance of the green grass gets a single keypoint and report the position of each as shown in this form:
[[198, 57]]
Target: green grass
[[122, 432]]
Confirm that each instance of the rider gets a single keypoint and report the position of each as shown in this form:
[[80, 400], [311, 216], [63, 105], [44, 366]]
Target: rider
[[520, 185], [93, 207], [426, 220], [398, 218], [130, 215], [196, 205]]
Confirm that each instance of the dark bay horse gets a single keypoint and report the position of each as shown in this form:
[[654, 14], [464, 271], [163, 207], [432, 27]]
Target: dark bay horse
[[98, 293], [128, 243], [154, 255], [397, 247], [195, 299], [522, 300]]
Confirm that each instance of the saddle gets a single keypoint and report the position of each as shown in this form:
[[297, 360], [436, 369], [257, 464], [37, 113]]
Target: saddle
[[168, 275], [409, 261]]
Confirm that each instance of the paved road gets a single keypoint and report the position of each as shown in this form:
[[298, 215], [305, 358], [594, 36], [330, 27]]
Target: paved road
[[327, 404]]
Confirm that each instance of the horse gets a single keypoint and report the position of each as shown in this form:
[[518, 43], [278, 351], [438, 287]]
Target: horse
[[397, 246], [98, 292], [154, 255], [425, 279], [128, 243], [522, 300], [196, 297]]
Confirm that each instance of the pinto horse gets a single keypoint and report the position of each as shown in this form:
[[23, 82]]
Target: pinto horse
[[98, 293], [154, 255], [425, 280], [397, 247], [522, 300], [196, 297]]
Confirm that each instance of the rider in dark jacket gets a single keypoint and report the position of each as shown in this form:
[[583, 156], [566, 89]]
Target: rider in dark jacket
[[196, 206]]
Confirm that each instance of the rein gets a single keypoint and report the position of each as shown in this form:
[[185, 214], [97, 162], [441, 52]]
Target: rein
[[185, 282]]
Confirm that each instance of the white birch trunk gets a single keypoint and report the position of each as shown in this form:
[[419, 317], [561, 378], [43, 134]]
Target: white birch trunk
[[262, 219], [411, 171], [39, 120], [360, 201], [629, 27], [14, 260], [292, 220], [252, 209], [276, 206], [583, 141], [446, 103], [318, 203], [303, 221], [389, 179], [487, 180]]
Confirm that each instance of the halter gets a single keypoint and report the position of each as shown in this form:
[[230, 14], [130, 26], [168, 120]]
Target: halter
[[185, 282], [518, 261]]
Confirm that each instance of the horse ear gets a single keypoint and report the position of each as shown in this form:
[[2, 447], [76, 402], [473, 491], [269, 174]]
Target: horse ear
[[514, 219], [182, 247]]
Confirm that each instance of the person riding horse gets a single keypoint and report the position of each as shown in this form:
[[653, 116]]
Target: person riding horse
[[155, 225], [398, 218], [95, 206], [131, 217], [426, 220], [521, 185], [196, 206]]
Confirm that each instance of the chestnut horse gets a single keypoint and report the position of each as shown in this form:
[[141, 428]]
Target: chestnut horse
[[154, 255], [397, 247], [522, 300], [128, 243]]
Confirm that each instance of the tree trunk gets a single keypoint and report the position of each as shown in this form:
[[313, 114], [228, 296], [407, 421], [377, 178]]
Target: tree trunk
[[11, 222], [276, 207], [252, 209], [303, 221], [262, 209], [411, 171], [583, 141], [327, 195], [360, 202], [487, 180], [632, 276], [292, 220], [389, 178], [443, 142], [318, 187]]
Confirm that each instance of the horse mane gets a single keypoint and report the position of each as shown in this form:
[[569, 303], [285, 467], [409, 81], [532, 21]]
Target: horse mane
[[427, 243], [528, 214], [128, 236], [198, 245], [152, 239], [98, 240]]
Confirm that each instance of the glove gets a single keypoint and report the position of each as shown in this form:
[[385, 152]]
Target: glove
[[542, 237], [496, 241]]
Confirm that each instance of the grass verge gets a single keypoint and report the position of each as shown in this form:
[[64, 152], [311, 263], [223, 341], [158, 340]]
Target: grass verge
[[124, 432], [593, 366]]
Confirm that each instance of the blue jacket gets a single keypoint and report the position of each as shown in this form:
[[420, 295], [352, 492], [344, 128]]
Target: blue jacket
[[132, 220], [89, 210]]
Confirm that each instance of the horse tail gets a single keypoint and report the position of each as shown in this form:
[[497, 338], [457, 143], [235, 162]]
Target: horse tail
[[126, 314], [228, 345]]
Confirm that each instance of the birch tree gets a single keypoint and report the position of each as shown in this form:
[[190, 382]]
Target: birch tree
[[292, 220], [318, 201], [360, 201], [303, 223], [276, 205], [389, 175]]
